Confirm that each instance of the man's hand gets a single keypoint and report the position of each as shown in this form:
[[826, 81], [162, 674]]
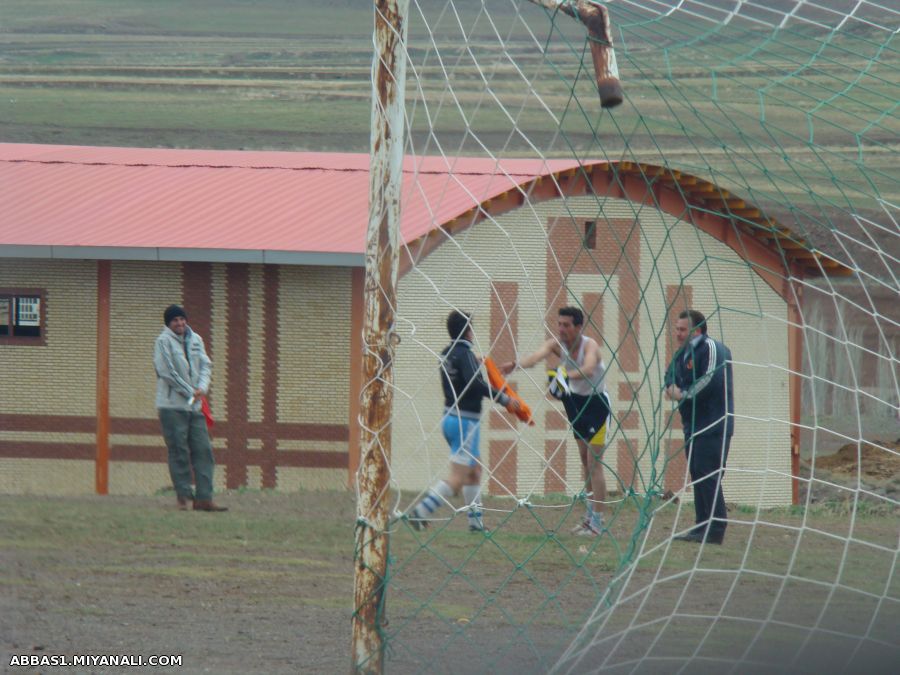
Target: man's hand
[[508, 367], [513, 406], [673, 393], [198, 393]]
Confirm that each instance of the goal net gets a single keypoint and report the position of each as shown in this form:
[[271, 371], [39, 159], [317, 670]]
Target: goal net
[[749, 172]]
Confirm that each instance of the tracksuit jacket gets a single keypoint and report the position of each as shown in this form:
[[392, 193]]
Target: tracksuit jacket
[[702, 370], [463, 385]]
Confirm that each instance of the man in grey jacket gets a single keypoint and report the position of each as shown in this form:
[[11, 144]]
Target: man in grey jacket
[[183, 372]]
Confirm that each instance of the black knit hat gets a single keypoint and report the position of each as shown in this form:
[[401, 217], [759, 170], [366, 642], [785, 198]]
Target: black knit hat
[[173, 311]]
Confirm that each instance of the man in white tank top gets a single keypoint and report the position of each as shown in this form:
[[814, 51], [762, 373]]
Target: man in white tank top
[[579, 382]]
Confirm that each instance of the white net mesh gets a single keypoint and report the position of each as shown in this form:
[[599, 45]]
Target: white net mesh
[[749, 174]]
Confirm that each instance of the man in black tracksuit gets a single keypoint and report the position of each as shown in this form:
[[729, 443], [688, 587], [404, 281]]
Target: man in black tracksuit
[[700, 380]]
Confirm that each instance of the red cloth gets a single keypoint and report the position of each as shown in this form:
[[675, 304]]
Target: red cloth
[[498, 382], [207, 413]]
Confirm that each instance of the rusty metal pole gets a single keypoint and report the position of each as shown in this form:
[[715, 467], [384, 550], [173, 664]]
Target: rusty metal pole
[[382, 254]]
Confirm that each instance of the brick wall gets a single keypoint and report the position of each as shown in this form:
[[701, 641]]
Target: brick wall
[[279, 341], [643, 261], [47, 400]]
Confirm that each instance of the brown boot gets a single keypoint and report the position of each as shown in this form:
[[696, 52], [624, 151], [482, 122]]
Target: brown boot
[[183, 503], [208, 505]]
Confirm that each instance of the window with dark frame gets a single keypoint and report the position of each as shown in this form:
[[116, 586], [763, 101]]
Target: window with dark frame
[[590, 234], [20, 315]]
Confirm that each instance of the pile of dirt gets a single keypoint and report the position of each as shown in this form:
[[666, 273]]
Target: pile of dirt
[[870, 461], [874, 467]]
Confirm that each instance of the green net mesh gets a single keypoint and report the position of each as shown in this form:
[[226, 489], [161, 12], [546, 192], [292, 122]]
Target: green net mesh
[[750, 173]]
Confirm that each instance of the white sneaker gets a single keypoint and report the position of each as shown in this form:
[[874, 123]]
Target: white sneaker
[[590, 529], [580, 526]]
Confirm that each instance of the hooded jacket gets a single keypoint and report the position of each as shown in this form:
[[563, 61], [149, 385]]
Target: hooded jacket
[[181, 367], [461, 380]]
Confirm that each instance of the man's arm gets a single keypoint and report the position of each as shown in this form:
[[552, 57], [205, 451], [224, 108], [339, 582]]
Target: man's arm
[[544, 351], [670, 372], [707, 373], [205, 369], [470, 373], [673, 393]]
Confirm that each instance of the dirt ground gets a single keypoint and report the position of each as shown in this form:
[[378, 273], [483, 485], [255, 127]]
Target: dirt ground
[[267, 588]]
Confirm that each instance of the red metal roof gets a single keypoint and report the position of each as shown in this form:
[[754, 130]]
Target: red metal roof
[[303, 207]]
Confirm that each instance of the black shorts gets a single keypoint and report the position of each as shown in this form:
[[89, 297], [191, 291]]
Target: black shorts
[[588, 415]]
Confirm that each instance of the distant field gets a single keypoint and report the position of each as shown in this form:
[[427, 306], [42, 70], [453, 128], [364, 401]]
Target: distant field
[[184, 17], [285, 75]]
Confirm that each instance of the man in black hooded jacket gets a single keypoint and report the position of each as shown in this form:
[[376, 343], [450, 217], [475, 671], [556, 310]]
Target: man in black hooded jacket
[[464, 388]]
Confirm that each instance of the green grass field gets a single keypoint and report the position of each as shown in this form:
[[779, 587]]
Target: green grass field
[[266, 587]]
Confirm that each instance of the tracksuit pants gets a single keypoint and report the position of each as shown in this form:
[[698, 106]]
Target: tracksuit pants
[[706, 455]]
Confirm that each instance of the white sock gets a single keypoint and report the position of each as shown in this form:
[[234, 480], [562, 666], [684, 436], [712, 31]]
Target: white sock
[[433, 499], [443, 488], [472, 497]]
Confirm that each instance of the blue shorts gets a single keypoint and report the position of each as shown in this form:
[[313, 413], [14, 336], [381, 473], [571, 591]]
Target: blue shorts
[[462, 434]]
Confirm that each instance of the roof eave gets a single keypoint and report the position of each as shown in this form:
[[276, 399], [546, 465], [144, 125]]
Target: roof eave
[[216, 255]]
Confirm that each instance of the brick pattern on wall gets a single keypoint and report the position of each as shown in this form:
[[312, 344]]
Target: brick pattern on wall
[[625, 295], [57, 377], [618, 253], [626, 466], [612, 251], [678, 298], [196, 280], [235, 457], [555, 474], [219, 336], [313, 327], [139, 293], [249, 453], [503, 461], [269, 460], [314, 316]]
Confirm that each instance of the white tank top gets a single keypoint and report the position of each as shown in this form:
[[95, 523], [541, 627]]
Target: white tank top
[[593, 383]]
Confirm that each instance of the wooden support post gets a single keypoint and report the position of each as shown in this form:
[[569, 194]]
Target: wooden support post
[[794, 296], [357, 313], [101, 463]]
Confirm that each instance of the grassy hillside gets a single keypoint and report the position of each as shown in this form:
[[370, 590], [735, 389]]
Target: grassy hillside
[[735, 103]]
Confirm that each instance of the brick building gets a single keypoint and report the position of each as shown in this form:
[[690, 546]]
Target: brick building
[[265, 250]]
